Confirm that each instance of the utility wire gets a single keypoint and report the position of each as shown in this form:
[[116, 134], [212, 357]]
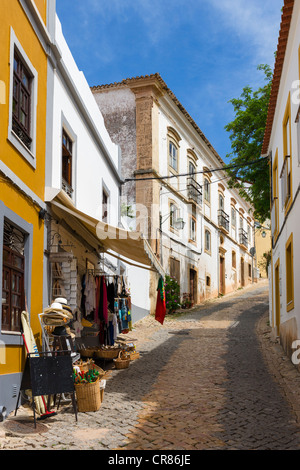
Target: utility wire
[[211, 170], [185, 189]]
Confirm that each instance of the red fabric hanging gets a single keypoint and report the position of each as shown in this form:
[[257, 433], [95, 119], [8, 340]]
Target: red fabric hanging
[[161, 310]]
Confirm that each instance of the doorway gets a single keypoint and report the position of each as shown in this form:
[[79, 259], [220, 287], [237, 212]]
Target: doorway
[[193, 286], [277, 298], [242, 272], [222, 275]]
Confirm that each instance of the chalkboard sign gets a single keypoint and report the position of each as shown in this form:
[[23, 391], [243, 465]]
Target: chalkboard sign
[[47, 375], [51, 375]]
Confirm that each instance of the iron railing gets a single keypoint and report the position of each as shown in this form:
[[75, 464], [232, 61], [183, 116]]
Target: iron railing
[[223, 220]]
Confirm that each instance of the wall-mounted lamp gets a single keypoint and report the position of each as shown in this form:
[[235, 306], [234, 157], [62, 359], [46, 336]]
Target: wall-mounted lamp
[[42, 214]]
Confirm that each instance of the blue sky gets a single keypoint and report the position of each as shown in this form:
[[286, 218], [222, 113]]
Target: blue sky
[[205, 50]]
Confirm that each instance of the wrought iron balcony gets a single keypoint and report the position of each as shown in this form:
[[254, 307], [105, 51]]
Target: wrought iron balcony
[[223, 219], [67, 188], [194, 190], [243, 237]]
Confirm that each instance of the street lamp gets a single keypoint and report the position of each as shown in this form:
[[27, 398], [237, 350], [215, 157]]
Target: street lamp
[[178, 224]]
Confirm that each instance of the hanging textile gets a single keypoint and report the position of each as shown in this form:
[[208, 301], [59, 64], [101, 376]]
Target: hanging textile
[[160, 311]]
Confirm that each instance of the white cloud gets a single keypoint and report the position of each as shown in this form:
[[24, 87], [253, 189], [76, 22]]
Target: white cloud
[[256, 22]]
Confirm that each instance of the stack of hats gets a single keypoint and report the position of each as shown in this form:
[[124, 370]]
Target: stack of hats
[[58, 314]]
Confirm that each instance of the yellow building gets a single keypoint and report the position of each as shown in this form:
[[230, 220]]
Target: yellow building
[[23, 109]]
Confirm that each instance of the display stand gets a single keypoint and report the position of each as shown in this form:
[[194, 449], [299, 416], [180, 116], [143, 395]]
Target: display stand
[[47, 374]]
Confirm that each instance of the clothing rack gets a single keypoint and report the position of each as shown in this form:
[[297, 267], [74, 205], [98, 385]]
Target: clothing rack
[[98, 272]]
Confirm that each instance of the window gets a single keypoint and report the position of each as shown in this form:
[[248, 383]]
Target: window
[[249, 234], [22, 102], [207, 241], [233, 216], [173, 148], [286, 172], [285, 182], [173, 159], [221, 202], [207, 190], [174, 215], [275, 193], [289, 273], [192, 169], [175, 269], [234, 259], [104, 206], [67, 163], [13, 271], [192, 229], [249, 270]]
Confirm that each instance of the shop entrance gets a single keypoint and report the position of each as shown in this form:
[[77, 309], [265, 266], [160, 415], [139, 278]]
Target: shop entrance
[[222, 275], [193, 286], [277, 298], [242, 273]]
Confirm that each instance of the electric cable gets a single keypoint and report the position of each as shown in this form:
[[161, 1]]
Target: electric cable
[[210, 170]]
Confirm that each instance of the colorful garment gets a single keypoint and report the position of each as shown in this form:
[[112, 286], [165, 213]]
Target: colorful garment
[[160, 311]]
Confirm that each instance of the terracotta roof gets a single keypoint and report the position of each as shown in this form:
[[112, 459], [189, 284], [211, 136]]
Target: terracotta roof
[[165, 88], [286, 17]]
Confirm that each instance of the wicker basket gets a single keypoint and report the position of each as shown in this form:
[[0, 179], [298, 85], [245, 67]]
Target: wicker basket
[[107, 353], [88, 352], [88, 396], [134, 355], [123, 361]]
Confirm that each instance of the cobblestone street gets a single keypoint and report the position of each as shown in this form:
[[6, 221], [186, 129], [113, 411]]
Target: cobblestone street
[[208, 379]]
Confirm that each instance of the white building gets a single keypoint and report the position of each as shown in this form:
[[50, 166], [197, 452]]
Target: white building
[[201, 230], [83, 182], [281, 144]]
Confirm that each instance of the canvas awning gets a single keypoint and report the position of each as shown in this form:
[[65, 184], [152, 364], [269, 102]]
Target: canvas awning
[[117, 242]]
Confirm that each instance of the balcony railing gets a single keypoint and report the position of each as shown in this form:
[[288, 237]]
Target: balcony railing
[[223, 220], [194, 190], [243, 237], [67, 188]]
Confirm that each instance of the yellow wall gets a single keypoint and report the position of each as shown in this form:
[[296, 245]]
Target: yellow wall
[[262, 245], [41, 5], [13, 15]]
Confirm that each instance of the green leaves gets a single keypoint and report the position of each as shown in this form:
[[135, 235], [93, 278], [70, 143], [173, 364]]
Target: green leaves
[[247, 135]]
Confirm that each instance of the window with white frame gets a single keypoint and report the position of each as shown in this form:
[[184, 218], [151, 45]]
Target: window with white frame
[[22, 101], [173, 156], [207, 241], [67, 163], [16, 237], [233, 216], [104, 206], [285, 177], [192, 229], [173, 149], [207, 190]]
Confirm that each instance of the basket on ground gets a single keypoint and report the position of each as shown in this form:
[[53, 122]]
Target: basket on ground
[[88, 396], [107, 353], [122, 361], [87, 352]]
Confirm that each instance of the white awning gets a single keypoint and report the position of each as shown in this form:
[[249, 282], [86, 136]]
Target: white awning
[[117, 242]]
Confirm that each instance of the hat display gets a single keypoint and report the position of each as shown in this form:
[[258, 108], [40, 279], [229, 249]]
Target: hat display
[[58, 313]]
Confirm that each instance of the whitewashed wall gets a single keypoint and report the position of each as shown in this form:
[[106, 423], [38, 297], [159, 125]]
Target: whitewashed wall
[[289, 86]]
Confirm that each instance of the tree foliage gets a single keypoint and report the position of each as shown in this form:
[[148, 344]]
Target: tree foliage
[[246, 135]]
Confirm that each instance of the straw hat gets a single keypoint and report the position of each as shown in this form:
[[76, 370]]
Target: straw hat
[[57, 309], [64, 303]]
